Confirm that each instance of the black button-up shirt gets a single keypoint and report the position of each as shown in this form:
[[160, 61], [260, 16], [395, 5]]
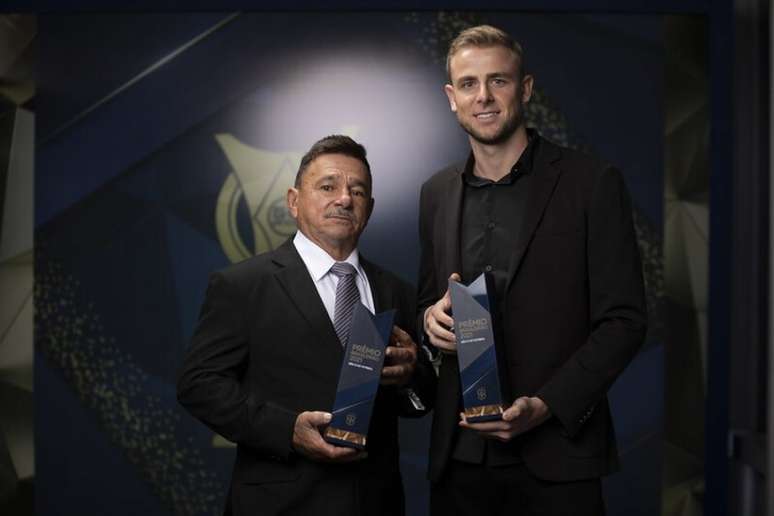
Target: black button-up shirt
[[492, 216]]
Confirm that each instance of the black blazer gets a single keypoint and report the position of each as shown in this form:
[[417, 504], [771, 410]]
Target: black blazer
[[265, 350], [574, 309]]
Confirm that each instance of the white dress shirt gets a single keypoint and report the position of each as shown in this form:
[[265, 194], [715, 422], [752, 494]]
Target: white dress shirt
[[319, 263]]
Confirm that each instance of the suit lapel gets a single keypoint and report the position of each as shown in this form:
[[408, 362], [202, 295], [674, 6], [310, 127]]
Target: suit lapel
[[452, 202], [380, 289], [298, 285], [542, 188]]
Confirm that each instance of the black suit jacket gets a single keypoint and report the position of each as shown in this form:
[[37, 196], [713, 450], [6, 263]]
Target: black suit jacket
[[574, 309], [265, 350]]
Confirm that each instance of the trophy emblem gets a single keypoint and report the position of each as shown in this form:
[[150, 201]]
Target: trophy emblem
[[481, 393]]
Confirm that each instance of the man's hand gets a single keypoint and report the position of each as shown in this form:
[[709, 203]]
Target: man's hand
[[525, 414], [438, 323], [400, 359], [308, 441]]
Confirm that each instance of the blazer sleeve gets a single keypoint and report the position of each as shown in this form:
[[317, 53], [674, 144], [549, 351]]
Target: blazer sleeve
[[423, 383], [617, 307], [210, 383], [428, 285]]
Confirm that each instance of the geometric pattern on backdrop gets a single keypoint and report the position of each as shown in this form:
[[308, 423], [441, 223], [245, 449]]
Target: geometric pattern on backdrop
[[17, 458], [18, 34], [123, 396], [686, 253]]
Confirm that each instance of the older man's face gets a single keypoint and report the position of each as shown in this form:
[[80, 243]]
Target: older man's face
[[333, 202]]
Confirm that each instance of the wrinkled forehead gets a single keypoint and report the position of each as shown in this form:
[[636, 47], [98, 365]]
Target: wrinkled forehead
[[338, 167]]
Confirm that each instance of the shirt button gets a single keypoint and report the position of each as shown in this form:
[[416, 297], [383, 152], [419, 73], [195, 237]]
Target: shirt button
[[491, 225], [488, 268]]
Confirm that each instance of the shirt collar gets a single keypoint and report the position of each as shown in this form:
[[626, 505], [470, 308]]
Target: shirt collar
[[317, 261], [523, 164]]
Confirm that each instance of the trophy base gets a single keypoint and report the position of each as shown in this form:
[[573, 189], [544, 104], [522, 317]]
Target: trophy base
[[484, 413], [345, 438]]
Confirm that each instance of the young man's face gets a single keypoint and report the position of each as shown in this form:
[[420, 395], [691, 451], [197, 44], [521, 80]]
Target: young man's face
[[486, 92], [333, 202]]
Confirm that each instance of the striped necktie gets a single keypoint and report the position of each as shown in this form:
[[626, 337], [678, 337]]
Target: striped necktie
[[346, 297]]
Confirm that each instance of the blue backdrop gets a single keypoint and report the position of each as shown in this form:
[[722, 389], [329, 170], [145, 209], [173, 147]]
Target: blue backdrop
[[165, 145]]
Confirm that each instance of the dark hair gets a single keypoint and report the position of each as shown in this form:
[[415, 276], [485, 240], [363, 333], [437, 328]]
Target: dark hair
[[484, 36], [333, 144]]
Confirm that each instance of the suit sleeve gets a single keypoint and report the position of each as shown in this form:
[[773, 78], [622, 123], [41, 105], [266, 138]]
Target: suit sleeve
[[423, 383], [210, 382], [617, 307], [427, 291]]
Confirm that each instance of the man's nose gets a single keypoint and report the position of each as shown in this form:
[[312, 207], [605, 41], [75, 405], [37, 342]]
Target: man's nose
[[345, 197], [483, 94]]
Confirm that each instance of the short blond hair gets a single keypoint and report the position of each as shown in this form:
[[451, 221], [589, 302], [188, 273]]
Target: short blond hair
[[483, 36]]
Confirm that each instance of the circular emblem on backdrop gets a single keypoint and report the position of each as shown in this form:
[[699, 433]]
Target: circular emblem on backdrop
[[351, 419], [481, 393], [251, 215]]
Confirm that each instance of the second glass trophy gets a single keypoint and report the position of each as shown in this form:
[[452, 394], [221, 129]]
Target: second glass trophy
[[481, 373]]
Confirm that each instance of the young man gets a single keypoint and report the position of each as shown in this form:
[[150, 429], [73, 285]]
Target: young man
[[554, 229]]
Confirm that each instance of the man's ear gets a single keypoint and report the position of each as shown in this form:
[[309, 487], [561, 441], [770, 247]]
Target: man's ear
[[370, 208], [449, 90], [526, 88], [292, 200]]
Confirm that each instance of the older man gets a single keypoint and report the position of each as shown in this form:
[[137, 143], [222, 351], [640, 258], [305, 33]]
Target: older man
[[264, 361], [554, 229]]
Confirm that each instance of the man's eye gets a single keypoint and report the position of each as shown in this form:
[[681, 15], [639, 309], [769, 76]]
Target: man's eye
[[498, 82], [327, 188], [358, 193]]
